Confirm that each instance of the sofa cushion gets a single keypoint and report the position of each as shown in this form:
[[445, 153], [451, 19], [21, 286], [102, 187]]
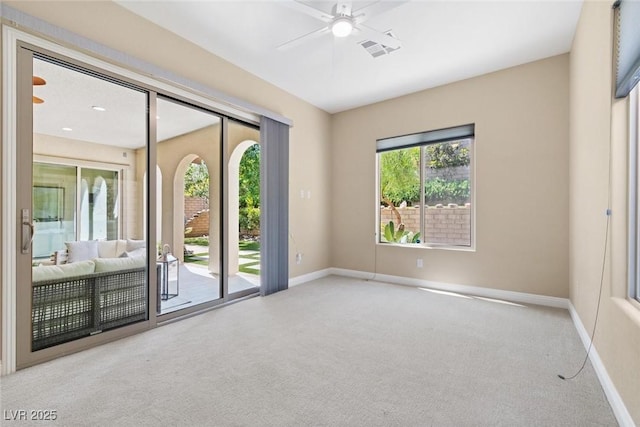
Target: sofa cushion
[[51, 272], [116, 264], [82, 250], [111, 248], [132, 245], [140, 252]]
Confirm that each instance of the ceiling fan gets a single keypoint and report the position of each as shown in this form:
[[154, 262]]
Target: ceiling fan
[[38, 81], [344, 21]]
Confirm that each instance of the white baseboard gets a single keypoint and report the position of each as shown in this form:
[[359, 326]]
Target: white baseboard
[[462, 289], [617, 405], [298, 280]]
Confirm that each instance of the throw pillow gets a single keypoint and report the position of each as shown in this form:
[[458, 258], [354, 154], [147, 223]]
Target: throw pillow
[[140, 252], [82, 251], [108, 249], [132, 245]]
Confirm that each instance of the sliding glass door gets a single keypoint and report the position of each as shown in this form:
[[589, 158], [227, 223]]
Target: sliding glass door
[[189, 144], [134, 207], [82, 261]]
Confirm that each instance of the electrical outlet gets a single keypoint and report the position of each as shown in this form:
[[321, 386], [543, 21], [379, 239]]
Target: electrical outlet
[[299, 258], [419, 263]]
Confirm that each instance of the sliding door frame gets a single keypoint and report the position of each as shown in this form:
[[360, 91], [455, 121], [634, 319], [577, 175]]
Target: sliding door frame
[[15, 126]]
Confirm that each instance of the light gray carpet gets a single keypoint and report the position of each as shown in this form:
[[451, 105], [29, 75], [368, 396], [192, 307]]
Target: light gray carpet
[[333, 352]]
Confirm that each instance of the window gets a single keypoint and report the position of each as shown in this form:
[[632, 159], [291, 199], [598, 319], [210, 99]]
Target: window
[[58, 214], [425, 188]]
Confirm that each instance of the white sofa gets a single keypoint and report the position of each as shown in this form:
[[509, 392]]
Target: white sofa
[[102, 285]]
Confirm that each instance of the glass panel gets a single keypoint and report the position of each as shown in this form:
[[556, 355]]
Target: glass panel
[[99, 204], [400, 195], [244, 208], [189, 233], [447, 192], [54, 208], [89, 160]]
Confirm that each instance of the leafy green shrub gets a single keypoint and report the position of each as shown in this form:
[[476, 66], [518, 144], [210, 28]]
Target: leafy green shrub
[[400, 176], [447, 155], [391, 235], [249, 218], [443, 191]]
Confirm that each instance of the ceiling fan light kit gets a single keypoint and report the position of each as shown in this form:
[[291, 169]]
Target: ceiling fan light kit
[[342, 26]]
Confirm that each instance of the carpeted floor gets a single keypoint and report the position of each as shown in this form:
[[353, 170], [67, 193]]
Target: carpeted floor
[[333, 352]]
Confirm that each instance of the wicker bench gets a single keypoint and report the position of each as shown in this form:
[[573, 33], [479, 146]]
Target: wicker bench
[[70, 308]]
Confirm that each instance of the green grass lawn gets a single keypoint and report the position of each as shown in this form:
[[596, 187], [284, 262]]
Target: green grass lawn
[[199, 241], [200, 258], [203, 257], [249, 245]]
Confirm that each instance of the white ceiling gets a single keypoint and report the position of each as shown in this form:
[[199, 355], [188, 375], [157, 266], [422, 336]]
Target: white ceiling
[[443, 42]]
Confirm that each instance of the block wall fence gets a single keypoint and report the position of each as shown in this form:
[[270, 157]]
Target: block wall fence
[[450, 224]]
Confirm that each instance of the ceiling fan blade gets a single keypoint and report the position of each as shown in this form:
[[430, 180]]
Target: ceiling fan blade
[[37, 100], [378, 37], [367, 12], [39, 81], [308, 10], [305, 38]]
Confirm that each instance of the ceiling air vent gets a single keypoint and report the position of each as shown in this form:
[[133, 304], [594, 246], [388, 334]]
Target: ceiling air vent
[[377, 49]]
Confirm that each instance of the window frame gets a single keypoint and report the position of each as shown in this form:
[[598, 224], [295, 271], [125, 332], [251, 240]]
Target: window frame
[[423, 145], [634, 197]]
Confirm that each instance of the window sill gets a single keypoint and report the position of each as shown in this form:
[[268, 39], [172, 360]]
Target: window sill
[[634, 303], [630, 307], [429, 247]]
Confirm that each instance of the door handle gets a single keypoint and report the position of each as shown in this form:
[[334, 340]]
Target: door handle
[[27, 236], [27, 232]]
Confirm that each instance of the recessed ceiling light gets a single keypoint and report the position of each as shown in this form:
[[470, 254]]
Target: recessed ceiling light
[[98, 108], [67, 129]]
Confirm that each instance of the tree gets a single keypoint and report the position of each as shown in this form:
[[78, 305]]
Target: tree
[[249, 194], [399, 178], [196, 181]]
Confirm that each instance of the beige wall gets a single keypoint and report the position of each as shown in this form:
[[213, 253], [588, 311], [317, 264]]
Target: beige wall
[[521, 161], [597, 123]]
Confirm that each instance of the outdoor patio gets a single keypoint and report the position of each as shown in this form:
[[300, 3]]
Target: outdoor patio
[[198, 285]]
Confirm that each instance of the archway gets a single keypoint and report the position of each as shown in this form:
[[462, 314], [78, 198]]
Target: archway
[[234, 203], [179, 220]]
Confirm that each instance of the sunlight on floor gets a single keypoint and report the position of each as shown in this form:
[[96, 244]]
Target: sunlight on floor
[[455, 294]]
